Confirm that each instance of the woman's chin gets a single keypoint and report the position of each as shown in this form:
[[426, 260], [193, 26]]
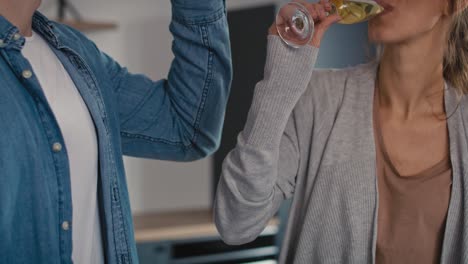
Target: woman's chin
[[380, 35], [378, 38]]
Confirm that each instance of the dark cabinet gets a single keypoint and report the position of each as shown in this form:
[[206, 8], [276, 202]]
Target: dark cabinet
[[208, 250]]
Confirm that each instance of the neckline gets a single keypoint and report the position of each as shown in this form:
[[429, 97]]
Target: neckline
[[31, 38], [436, 169]]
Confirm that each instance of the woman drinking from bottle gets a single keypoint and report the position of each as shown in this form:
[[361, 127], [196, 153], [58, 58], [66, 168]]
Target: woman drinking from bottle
[[375, 157]]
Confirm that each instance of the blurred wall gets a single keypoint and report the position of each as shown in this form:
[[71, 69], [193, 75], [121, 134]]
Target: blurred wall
[[142, 43]]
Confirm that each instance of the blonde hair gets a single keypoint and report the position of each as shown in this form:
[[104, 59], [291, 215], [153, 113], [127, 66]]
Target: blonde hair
[[456, 53]]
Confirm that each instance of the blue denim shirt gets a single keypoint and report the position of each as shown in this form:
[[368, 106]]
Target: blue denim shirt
[[175, 119]]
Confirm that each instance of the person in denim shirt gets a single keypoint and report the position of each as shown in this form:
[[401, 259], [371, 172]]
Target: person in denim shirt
[[177, 119]]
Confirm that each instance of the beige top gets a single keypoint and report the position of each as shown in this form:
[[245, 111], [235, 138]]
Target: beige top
[[412, 209]]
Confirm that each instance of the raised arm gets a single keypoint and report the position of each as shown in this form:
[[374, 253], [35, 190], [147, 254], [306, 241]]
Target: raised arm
[[179, 118], [261, 171]]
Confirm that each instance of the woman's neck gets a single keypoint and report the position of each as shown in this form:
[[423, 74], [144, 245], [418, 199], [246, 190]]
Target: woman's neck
[[20, 13], [411, 73]]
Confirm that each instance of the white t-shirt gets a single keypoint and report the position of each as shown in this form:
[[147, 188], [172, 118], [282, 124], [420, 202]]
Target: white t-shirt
[[79, 133]]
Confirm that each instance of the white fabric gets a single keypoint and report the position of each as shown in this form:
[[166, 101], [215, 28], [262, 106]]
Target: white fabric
[[80, 138]]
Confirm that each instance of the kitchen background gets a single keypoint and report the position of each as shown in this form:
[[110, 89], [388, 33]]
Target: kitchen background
[[161, 190]]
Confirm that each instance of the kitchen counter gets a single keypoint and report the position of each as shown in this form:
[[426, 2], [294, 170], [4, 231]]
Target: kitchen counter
[[177, 225]]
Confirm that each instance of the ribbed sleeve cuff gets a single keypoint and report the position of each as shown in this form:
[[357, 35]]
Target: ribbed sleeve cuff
[[286, 65], [287, 74]]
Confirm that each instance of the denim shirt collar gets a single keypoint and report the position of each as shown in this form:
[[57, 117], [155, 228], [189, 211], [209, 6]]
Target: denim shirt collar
[[9, 33], [46, 29]]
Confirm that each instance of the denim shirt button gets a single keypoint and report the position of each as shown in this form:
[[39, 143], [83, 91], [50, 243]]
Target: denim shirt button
[[65, 225], [2, 43], [57, 147], [17, 36], [27, 74]]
